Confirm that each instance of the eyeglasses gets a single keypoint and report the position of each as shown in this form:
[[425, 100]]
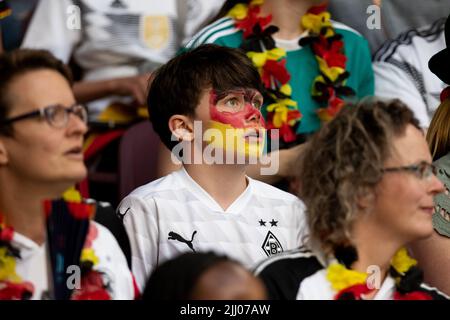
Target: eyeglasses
[[57, 116], [422, 170]]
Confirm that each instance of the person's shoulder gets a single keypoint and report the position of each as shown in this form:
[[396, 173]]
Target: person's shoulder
[[292, 260], [346, 30], [443, 162], [433, 292], [283, 273], [265, 190], [412, 40], [213, 32], [153, 188]]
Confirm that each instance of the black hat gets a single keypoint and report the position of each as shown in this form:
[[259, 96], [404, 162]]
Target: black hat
[[439, 64]]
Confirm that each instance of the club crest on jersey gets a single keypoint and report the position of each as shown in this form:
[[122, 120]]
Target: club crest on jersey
[[155, 31], [271, 245]]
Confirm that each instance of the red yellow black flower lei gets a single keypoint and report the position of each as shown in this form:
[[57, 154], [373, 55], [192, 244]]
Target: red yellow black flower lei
[[328, 87], [12, 287], [352, 285], [92, 287]]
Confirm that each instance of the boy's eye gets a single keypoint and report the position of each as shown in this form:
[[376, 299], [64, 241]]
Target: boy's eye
[[257, 104], [232, 103]]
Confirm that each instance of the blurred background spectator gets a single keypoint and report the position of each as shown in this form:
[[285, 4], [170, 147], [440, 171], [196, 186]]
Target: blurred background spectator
[[397, 16], [203, 276]]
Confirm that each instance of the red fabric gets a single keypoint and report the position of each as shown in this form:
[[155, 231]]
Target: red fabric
[[137, 293], [81, 210], [330, 52], [92, 288], [97, 145], [445, 94], [318, 9], [415, 295], [15, 291], [101, 141], [355, 291], [6, 234], [277, 70], [248, 23]]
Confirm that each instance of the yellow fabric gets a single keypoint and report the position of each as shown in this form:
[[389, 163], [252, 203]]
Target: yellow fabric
[[72, 195], [239, 11], [340, 277], [332, 73], [402, 262], [89, 255], [8, 267]]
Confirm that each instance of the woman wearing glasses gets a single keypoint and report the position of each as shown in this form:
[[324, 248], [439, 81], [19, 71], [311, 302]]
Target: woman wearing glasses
[[368, 185], [434, 253], [41, 138]]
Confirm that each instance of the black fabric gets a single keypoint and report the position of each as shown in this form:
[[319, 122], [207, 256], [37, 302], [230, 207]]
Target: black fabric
[[434, 293], [176, 278], [284, 275], [106, 216]]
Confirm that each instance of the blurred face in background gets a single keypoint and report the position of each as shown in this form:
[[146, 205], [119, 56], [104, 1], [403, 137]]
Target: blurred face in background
[[39, 152], [228, 281]]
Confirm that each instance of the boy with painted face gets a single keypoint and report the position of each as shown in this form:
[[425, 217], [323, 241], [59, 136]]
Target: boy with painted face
[[236, 116], [204, 105]]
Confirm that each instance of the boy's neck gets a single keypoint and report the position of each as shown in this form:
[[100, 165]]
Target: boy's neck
[[224, 183]]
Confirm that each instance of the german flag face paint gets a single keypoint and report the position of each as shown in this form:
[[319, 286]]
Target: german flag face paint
[[236, 115]]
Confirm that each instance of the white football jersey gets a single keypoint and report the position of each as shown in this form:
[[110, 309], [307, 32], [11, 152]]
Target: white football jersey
[[174, 215]]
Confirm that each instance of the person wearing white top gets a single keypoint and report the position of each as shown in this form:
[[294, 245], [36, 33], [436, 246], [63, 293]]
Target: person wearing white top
[[115, 42], [41, 138], [209, 205], [401, 70], [368, 186]]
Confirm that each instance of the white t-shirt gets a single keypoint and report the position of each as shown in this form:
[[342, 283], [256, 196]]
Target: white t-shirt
[[317, 287], [401, 70], [174, 215], [112, 39], [302, 275], [33, 265]]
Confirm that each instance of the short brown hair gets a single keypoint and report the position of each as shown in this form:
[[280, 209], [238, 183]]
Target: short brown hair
[[344, 161], [178, 85], [19, 62]]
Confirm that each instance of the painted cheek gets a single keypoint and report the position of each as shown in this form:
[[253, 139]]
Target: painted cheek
[[238, 119]]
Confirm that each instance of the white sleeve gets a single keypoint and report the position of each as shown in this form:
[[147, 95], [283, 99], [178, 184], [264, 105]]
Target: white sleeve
[[392, 82], [198, 15], [113, 259], [51, 28], [140, 221]]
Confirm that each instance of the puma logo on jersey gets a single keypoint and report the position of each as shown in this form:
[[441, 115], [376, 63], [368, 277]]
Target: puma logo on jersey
[[177, 237]]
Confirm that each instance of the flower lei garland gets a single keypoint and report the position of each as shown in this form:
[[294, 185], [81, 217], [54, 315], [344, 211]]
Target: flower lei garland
[[92, 286], [12, 287], [283, 113], [352, 285], [5, 10]]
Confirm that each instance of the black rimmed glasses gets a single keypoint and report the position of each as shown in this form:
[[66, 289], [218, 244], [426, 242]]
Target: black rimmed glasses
[[57, 116], [422, 170]]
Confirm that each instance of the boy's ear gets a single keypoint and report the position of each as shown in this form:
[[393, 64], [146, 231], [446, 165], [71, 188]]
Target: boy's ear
[[181, 127], [3, 153]]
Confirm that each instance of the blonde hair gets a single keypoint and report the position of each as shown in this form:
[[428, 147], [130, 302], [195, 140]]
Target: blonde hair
[[438, 134]]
